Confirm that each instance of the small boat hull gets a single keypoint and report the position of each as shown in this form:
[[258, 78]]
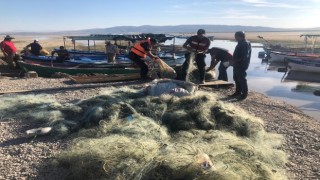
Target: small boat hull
[[48, 71], [304, 65], [279, 57]]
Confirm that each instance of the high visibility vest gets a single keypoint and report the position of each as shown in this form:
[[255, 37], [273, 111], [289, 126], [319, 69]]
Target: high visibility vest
[[139, 50], [199, 45]]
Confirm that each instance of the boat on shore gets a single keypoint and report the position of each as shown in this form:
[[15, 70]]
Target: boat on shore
[[88, 62], [48, 71], [277, 53], [304, 64], [277, 56]]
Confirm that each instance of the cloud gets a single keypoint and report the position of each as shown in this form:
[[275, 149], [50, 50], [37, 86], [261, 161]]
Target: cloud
[[265, 3], [236, 14]]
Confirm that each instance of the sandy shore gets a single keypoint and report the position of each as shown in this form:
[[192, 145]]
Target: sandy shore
[[28, 158]]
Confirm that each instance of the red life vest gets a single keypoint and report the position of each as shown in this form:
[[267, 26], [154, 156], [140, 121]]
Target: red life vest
[[139, 50], [199, 44]]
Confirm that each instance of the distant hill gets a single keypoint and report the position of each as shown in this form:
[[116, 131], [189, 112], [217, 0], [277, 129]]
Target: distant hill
[[167, 29], [176, 29]]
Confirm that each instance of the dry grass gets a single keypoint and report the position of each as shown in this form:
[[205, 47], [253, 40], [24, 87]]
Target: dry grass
[[290, 39]]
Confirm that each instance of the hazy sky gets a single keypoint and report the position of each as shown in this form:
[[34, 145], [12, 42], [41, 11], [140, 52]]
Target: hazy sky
[[49, 15]]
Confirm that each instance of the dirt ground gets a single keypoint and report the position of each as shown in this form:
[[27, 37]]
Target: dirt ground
[[31, 158]]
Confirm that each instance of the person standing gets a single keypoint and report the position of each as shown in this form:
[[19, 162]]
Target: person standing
[[198, 45], [35, 48], [241, 61], [111, 51], [224, 57], [140, 51], [9, 51]]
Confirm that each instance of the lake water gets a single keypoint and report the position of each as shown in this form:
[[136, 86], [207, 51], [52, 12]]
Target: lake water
[[269, 82]]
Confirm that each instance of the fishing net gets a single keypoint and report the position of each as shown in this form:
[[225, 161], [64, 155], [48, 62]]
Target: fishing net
[[193, 72], [166, 71], [172, 87], [124, 134]]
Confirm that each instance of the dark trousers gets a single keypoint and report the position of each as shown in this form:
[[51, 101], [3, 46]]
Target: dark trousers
[[61, 59], [222, 72], [141, 63], [199, 58], [239, 77]]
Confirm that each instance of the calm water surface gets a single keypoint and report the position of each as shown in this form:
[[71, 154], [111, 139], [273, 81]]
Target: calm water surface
[[269, 82]]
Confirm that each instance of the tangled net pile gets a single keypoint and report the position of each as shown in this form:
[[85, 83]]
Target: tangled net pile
[[124, 134]]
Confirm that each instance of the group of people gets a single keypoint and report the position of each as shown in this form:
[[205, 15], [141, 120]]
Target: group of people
[[197, 47], [37, 50], [11, 56]]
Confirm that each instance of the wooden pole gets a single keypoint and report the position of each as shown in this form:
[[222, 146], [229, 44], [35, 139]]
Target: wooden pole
[[305, 43], [64, 42], [314, 40], [174, 49], [88, 45]]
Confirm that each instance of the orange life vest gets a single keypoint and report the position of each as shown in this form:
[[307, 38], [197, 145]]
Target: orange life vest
[[139, 50]]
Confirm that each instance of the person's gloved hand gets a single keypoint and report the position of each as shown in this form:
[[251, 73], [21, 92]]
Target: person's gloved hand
[[226, 64]]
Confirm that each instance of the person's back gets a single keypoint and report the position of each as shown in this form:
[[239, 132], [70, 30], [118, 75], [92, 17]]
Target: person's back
[[111, 51], [35, 48], [224, 57], [110, 48], [221, 54], [63, 54]]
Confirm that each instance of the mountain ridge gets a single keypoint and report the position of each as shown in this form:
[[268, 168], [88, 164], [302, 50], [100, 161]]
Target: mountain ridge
[[169, 29]]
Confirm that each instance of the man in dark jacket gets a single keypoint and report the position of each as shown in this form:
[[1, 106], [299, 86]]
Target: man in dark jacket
[[224, 57], [35, 48], [63, 54], [197, 46], [241, 61]]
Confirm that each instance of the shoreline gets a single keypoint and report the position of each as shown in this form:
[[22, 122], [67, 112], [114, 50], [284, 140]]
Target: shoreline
[[29, 158]]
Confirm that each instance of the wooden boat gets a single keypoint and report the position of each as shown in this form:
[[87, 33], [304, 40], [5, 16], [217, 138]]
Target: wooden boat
[[277, 53], [304, 64], [81, 59], [47, 70]]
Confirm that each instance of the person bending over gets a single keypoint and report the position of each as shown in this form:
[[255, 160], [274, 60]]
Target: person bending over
[[224, 57], [140, 51]]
